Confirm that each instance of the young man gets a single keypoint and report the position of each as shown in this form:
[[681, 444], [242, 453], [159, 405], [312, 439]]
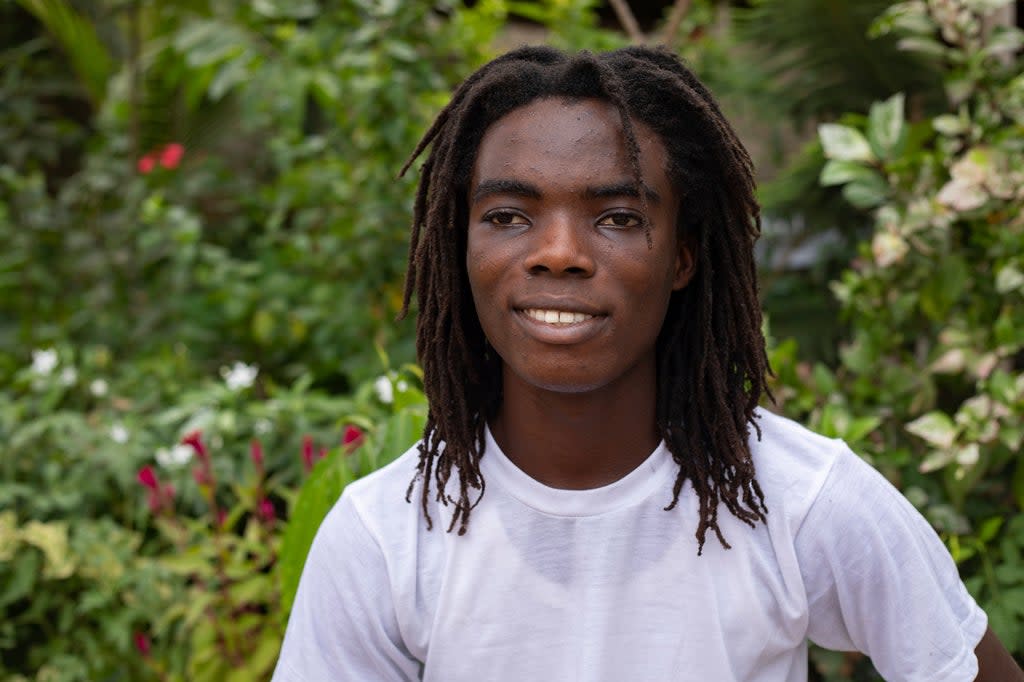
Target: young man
[[597, 495]]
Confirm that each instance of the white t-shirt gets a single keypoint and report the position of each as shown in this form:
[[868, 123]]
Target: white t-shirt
[[605, 584]]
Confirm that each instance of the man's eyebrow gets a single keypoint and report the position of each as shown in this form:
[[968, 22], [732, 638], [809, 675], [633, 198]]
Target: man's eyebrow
[[626, 188], [510, 187]]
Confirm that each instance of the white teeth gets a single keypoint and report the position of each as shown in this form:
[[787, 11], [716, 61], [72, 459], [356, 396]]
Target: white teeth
[[556, 316]]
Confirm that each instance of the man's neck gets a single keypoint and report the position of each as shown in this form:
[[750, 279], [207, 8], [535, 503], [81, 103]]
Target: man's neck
[[578, 440]]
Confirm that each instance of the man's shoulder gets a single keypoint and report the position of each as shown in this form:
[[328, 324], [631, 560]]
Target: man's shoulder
[[379, 498], [792, 462]]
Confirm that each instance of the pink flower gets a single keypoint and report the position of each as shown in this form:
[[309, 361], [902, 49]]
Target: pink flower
[[141, 643], [256, 453], [266, 511], [352, 438], [307, 453], [147, 477], [146, 164], [195, 439], [170, 155]]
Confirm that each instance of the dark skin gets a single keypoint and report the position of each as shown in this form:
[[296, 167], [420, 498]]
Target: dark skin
[[557, 226]]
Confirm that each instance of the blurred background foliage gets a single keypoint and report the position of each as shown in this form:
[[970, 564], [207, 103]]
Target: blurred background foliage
[[204, 239]]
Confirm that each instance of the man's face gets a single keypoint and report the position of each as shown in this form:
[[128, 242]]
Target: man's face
[[567, 290]]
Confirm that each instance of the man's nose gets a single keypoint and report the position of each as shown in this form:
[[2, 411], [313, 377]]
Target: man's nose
[[560, 247]]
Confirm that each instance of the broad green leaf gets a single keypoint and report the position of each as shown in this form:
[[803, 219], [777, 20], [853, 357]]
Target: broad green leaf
[[923, 46], [867, 192], [318, 494], [935, 460], [990, 528], [886, 128], [837, 172], [844, 143], [935, 428], [860, 427]]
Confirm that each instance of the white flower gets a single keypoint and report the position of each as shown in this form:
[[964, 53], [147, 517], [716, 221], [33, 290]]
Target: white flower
[[44, 361], [98, 388], [239, 375], [174, 458], [262, 426], [118, 433], [68, 376], [888, 248], [402, 385], [385, 391]]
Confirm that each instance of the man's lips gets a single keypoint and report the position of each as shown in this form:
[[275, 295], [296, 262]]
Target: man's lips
[[560, 321]]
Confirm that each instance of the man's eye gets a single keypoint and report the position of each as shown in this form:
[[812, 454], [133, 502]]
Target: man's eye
[[621, 220], [504, 218]]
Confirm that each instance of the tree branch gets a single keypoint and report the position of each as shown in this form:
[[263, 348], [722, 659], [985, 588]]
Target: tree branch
[[628, 21], [675, 20]]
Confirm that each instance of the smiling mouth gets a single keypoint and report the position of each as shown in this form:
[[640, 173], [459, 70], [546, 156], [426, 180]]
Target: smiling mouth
[[556, 317]]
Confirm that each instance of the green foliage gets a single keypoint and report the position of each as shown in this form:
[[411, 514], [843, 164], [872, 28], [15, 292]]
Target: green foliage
[[293, 133], [390, 438], [930, 385], [822, 59]]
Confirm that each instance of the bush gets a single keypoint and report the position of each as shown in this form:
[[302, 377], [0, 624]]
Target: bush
[[930, 385]]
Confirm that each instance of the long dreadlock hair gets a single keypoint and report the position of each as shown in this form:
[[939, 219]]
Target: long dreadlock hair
[[712, 363]]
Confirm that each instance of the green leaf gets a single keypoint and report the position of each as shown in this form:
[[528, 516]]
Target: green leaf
[[316, 497], [837, 172], [990, 528], [886, 129], [867, 192], [844, 143], [935, 428], [1007, 40], [90, 58], [923, 46], [20, 581], [948, 281]]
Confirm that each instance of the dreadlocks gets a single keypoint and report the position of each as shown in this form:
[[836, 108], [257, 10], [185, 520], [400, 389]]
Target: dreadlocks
[[711, 353]]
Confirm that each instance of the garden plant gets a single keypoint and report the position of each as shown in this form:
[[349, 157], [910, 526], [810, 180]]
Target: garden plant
[[204, 237]]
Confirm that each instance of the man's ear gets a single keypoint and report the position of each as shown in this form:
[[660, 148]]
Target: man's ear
[[686, 263]]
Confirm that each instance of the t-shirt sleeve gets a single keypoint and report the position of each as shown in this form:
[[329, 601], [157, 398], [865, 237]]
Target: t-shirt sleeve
[[880, 581], [343, 625]]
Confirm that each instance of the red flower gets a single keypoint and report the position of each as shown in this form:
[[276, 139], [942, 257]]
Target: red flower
[[141, 643], [256, 453], [266, 511], [170, 155], [195, 439], [147, 477], [352, 438], [307, 453], [146, 164]]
